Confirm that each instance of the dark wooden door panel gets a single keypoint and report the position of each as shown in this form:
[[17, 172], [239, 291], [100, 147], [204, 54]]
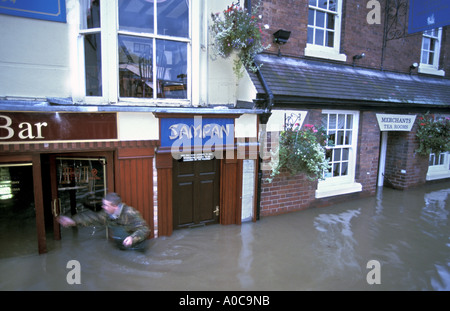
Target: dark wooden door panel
[[185, 212], [196, 193]]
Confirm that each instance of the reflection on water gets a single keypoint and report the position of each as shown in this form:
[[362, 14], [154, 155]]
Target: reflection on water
[[335, 249], [407, 232]]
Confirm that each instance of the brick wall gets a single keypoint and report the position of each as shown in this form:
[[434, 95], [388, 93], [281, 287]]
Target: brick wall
[[291, 15], [357, 35], [368, 152], [288, 193], [404, 168]]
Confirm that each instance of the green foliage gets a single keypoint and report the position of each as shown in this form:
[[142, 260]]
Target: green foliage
[[301, 150], [433, 135], [237, 30]]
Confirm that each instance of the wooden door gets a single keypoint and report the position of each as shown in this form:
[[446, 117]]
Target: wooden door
[[196, 193]]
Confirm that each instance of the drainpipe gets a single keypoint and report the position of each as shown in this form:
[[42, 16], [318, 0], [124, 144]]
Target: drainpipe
[[263, 118]]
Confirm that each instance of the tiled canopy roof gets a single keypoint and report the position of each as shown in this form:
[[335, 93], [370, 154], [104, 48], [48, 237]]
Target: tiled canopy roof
[[310, 82]]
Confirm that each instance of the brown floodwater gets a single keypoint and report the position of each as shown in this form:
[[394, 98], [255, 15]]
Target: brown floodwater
[[406, 232]]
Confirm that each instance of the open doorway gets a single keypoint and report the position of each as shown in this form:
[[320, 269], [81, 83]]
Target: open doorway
[[18, 233], [72, 184]]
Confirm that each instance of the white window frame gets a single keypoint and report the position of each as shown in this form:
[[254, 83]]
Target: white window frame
[[442, 170], [434, 67], [109, 30], [439, 171], [339, 185], [332, 53]]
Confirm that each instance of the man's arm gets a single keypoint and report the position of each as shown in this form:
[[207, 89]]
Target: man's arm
[[86, 219], [137, 225]]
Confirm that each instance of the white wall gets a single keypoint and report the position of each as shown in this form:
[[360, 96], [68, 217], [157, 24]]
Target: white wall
[[33, 58], [223, 84]]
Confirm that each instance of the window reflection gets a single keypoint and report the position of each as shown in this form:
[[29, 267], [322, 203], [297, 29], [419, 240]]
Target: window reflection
[[135, 67], [136, 15], [90, 10], [172, 68], [173, 18], [138, 67], [93, 64]]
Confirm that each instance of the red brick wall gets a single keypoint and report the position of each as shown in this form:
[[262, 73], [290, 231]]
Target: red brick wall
[[288, 193], [400, 156], [368, 152], [357, 35]]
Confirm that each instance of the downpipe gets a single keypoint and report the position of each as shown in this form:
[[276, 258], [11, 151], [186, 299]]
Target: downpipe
[[263, 119]]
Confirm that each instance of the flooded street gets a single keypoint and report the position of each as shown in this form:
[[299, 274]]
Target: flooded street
[[329, 248]]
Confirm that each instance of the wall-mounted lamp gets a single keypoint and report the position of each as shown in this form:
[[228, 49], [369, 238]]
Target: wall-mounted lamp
[[281, 37], [356, 57], [412, 67]]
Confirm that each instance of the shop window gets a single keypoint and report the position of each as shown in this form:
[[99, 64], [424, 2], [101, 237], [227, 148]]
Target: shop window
[[342, 129], [430, 52], [324, 29], [81, 184], [146, 56]]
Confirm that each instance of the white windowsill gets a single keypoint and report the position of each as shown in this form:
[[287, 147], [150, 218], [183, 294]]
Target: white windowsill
[[324, 191], [438, 175], [324, 52], [427, 69]]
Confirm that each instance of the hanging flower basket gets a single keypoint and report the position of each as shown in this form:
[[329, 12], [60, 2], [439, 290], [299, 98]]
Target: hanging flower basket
[[433, 135], [235, 30], [301, 150]]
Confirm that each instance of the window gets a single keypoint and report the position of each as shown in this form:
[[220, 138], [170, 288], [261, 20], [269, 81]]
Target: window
[[153, 48], [136, 49], [437, 159], [439, 164], [431, 46], [90, 32], [342, 128], [324, 28]]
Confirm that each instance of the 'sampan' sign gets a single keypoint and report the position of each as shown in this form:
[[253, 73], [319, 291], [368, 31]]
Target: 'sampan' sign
[[395, 122], [208, 134]]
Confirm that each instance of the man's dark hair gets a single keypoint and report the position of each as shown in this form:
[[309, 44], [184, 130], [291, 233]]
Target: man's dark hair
[[114, 198]]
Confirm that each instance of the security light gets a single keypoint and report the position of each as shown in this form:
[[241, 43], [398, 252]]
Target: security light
[[412, 67], [356, 57], [281, 37]]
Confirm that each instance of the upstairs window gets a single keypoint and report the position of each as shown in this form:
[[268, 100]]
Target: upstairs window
[[90, 32], [324, 29], [430, 52], [153, 48], [321, 22], [135, 49]]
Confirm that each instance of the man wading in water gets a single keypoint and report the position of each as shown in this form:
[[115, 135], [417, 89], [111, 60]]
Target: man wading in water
[[125, 224]]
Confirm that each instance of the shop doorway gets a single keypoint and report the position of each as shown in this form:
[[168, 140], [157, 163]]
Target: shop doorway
[[17, 210], [75, 183], [196, 193]]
